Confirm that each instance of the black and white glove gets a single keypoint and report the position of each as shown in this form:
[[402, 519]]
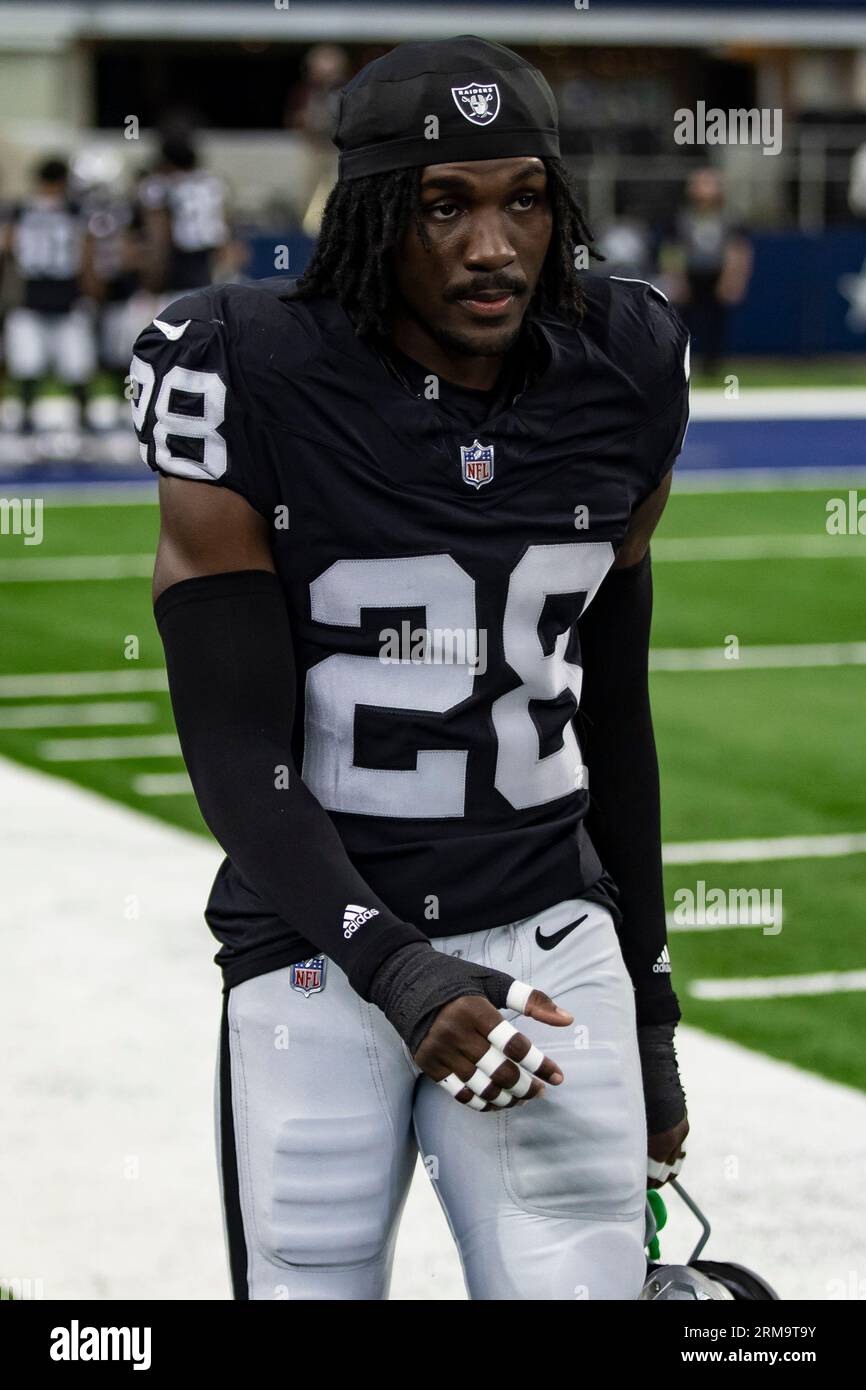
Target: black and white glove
[[478, 1057]]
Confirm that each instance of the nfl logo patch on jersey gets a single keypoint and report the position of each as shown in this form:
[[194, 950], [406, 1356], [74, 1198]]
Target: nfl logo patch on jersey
[[308, 976], [477, 462], [478, 102]]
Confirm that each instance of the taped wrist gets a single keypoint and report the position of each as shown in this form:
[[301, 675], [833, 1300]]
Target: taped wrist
[[664, 1097], [231, 674], [413, 984]]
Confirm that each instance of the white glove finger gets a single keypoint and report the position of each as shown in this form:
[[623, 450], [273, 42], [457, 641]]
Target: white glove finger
[[474, 1103]]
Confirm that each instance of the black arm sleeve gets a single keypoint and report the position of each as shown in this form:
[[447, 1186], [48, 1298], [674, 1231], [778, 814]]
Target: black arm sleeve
[[624, 820], [231, 673]]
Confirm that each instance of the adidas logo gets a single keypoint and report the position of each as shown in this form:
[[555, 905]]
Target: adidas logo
[[663, 964], [355, 917]]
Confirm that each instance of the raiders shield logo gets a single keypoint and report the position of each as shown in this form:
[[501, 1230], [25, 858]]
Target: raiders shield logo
[[479, 102], [308, 976], [477, 462]]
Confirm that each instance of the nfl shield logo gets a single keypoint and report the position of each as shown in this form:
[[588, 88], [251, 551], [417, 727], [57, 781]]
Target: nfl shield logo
[[308, 976], [479, 102], [477, 462]]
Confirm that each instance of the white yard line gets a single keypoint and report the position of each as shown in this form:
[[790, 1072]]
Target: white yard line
[[51, 569], [83, 683], [56, 716], [109, 1185], [774, 547], [748, 851], [780, 655], [162, 784], [781, 986], [89, 750]]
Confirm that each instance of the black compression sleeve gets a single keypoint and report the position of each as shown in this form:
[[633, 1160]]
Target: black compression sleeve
[[231, 673], [624, 821]]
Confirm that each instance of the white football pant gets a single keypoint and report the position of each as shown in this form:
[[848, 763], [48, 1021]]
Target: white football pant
[[321, 1114], [37, 344]]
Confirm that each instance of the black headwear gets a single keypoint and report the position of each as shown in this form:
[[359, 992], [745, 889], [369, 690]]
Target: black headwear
[[449, 99]]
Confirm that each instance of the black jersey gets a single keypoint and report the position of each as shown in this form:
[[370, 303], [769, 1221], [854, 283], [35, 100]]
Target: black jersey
[[47, 243], [195, 202], [434, 577]]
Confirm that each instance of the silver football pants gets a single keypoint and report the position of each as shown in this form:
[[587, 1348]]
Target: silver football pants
[[321, 1113]]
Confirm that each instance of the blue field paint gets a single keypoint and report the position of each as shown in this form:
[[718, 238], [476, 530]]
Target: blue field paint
[[774, 444]]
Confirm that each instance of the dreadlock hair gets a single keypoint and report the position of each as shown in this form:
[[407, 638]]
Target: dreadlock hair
[[363, 226]]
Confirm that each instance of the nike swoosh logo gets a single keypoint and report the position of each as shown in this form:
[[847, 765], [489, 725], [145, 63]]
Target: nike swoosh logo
[[172, 330], [547, 943]]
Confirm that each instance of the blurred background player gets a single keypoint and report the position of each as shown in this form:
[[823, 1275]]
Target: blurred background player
[[711, 264], [185, 222], [50, 331], [114, 224], [312, 110]]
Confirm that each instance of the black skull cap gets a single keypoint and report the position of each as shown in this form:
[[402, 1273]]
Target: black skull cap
[[442, 101]]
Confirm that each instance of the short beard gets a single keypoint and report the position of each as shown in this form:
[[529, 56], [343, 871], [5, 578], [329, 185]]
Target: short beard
[[470, 347]]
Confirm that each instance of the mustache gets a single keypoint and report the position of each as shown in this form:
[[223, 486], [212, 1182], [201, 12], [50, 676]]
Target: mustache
[[508, 284]]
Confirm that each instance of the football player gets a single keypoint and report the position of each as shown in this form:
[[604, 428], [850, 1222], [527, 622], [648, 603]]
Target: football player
[[403, 586], [51, 252], [185, 220]]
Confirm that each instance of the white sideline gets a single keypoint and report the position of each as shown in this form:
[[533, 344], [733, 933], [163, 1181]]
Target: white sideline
[[110, 1019], [779, 403]]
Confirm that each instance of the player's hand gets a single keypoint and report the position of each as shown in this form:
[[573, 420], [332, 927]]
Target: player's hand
[[665, 1153], [481, 1059]]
